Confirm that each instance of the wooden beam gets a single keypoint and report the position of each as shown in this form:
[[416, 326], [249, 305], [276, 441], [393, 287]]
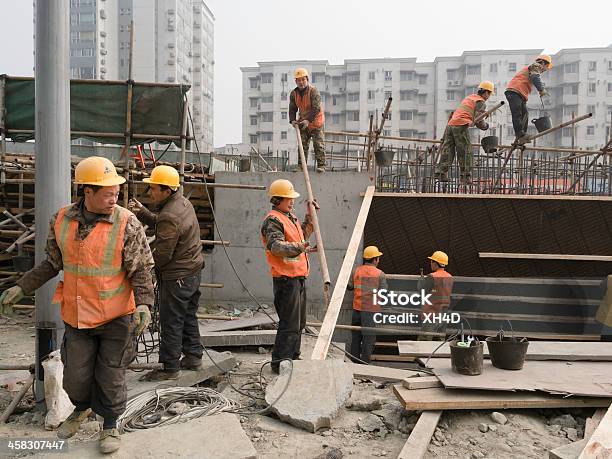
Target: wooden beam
[[424, 382], [544, 256], [211, 285], [600, 443], [378, 373], [331, 316], [592, 423], [418, 441], [435, 399], [552, 197]]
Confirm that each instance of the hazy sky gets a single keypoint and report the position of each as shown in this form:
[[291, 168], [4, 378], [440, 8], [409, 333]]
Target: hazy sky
[[249, 31]]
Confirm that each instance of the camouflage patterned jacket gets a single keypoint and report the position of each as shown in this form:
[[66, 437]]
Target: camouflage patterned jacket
[[137, 258], [535, 76], [315, 101], [274, 233]]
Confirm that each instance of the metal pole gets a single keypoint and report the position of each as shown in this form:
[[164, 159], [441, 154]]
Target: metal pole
[[184, 140], [2, 124], [52, 102], [315, 219]]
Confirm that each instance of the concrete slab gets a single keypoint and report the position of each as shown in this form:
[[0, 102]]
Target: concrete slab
[[197, 439], [311, 394]]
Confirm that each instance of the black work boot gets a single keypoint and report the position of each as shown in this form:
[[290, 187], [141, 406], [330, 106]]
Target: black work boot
[[160, 375], [191, 362]]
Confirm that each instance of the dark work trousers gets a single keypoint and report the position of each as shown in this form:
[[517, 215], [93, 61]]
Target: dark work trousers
[[290, 305], [363, 341], [180, 333], [520, 115], [95, 360]]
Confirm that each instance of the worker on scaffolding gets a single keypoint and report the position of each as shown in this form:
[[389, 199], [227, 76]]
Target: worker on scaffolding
[[457, 137], [439, 283], [285, 240], [365, 281], [604, 312], [177, 251], [518, 90], [104, 298], [306, 100]]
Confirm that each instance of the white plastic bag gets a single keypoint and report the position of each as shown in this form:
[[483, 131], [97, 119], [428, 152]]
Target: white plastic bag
[[59, 406]]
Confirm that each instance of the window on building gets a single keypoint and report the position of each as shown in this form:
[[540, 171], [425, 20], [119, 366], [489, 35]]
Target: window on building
[[283, 95], [266, 137], [253, 138], [353, 97], [334, 100], [422, 117], [406, 75], [266, 117], [266, 100], [492, 68], [352, 116], [253, 101], [567, 132], [406, 95], [609, 87], [422, 79], [451, 74], [571, 68], [610, 65], [371, 76], [512, 67], [266, 78], [592, 88], [125, 11], [573, 89], [405, 115], [352, 76], [283, 115], [510, 131], [87, 52], [568, 110], [389, 116], [253, 83], [371, 94], [283, 135], [336, 81], [590, 131], [472, 70], [592, 66], [74, 72], [387, 132], [253, 120], [450, 95], [387, 95], [284, 77], [406, 132], [591, 109], [87, 72], [422, 99], [388, 75], [335, 118]]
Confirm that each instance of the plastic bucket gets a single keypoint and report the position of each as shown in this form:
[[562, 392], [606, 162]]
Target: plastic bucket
[[542, 123], [384, 157], [245, 165], [507, 353], [489, 143], [467, 360]]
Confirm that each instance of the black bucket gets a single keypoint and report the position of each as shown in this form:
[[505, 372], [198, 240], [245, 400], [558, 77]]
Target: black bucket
[[245, 165], [22, 264], [507, 353], [489, 143], [384, 157], [467, 360], [542, 123]]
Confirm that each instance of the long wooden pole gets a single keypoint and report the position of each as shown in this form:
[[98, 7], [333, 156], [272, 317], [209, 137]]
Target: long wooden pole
[[315, 219], [128, 120], [9, 409]]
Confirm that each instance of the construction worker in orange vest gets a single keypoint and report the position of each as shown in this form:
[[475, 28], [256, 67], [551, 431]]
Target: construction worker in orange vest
[[518, 90], [365, 279], [306, 100], [457, 137], [439, 283], [104, 298], [285, 240]]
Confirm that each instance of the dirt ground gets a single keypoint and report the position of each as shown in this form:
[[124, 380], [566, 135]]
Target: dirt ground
[[373, 431]]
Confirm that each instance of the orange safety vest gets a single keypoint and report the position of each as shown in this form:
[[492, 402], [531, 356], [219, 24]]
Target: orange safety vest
[[464, 114], [365, 279], [287, 266], [441, 293], [521, 83], [96, 288], [304, 106]]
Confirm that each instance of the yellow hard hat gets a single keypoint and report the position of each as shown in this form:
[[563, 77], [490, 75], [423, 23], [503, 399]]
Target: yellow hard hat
[[371, 252], [282, 188], [546, 58], [96, 170], [164, 175], [487, 86], [439, 257], [300, 72]]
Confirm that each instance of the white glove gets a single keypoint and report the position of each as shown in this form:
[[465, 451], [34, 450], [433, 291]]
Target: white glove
[[9, 297], [142, 318], [134, 205]]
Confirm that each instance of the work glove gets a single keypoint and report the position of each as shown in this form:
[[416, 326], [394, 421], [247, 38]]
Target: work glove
[[9, 297], [142, 318], [304, 124], [134, 205], [316, 206], [294, 123]]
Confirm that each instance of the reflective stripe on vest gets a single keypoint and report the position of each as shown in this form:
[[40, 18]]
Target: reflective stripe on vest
[[521, 83], [441, 293], [287, 266], [365, 279], [95, 289], [464, 114], [304, 106]]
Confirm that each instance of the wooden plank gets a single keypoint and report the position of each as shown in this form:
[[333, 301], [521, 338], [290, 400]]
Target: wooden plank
[[378, 373], [593, 422], [424, 382], [544, 256], [238, 338], [589, 379], [443, 399], [538, 350], [550, 197], [599, 445], [255, 321], [333, 310], [569, 451], [391, 358], [418, 441]]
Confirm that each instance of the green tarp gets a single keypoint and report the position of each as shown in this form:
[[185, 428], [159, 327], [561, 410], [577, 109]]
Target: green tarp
[[100, 107]]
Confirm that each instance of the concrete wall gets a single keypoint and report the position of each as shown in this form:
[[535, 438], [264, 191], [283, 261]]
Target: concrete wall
[[240, 214]]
